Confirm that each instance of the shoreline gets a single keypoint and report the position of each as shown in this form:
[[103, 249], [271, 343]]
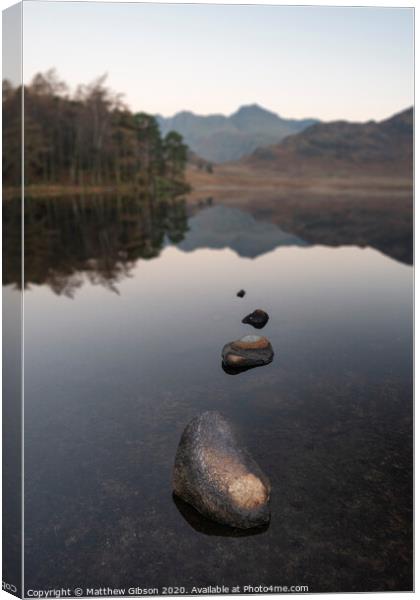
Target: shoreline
[[235, 185], [60, 190]]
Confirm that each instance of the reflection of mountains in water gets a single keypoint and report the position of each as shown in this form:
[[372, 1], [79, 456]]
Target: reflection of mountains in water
[[225, 227], [100, 239]]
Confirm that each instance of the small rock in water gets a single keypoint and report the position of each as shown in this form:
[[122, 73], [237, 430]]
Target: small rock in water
[[214, 473], [248, 352], [257, 319], [241, 293]]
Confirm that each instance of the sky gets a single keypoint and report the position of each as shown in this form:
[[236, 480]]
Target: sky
[[324, 62]]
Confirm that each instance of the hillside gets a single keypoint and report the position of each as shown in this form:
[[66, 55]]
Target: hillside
[[332, 184], [218, 138], [342, 147]]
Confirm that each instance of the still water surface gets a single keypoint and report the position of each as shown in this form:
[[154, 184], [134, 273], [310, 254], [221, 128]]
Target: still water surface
[[115, 372]]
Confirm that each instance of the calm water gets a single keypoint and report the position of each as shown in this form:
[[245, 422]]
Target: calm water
[[123, 331]]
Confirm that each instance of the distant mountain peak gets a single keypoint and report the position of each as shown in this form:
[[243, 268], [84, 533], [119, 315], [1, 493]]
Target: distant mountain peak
[[250, 111], [253, 108], [218, 138]]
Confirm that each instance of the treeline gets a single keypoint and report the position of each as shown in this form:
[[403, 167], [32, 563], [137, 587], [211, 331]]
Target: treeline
[[85, 138]]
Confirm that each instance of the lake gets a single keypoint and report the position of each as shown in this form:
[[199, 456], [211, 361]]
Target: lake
[[127, 308]]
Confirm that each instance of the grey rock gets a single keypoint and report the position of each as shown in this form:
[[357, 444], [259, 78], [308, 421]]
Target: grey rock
[[248, 352], [216, 475]]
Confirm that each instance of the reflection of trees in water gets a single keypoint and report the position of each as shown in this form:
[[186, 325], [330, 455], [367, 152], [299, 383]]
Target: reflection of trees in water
[[101, 238]]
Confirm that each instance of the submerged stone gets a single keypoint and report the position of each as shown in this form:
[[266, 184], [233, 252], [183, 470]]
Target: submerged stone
[[214, 473], [257, 319], [248, 352], [241, 293]]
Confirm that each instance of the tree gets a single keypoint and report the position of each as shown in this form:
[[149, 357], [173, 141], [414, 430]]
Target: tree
[[88, 138], [175, 155]]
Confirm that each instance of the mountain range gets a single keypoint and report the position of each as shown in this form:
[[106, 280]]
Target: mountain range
[[217, 138], [340, 147]]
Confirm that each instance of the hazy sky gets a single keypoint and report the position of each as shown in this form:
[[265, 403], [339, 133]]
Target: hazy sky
[[330, 63]]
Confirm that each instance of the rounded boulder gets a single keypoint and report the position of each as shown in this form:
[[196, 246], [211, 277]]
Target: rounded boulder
[[214, 473]]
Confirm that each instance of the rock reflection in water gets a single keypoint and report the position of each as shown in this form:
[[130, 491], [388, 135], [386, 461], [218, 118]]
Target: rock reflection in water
[[203, 525], [236, 370]]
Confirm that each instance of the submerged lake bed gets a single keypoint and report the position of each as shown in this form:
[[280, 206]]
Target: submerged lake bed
[[123, 341]]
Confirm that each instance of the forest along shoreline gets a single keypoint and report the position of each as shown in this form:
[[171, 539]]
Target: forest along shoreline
[[85, 142], [89, 142]]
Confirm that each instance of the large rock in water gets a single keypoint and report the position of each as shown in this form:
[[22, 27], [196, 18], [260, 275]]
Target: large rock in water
[[248, 352], [216, 474]]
